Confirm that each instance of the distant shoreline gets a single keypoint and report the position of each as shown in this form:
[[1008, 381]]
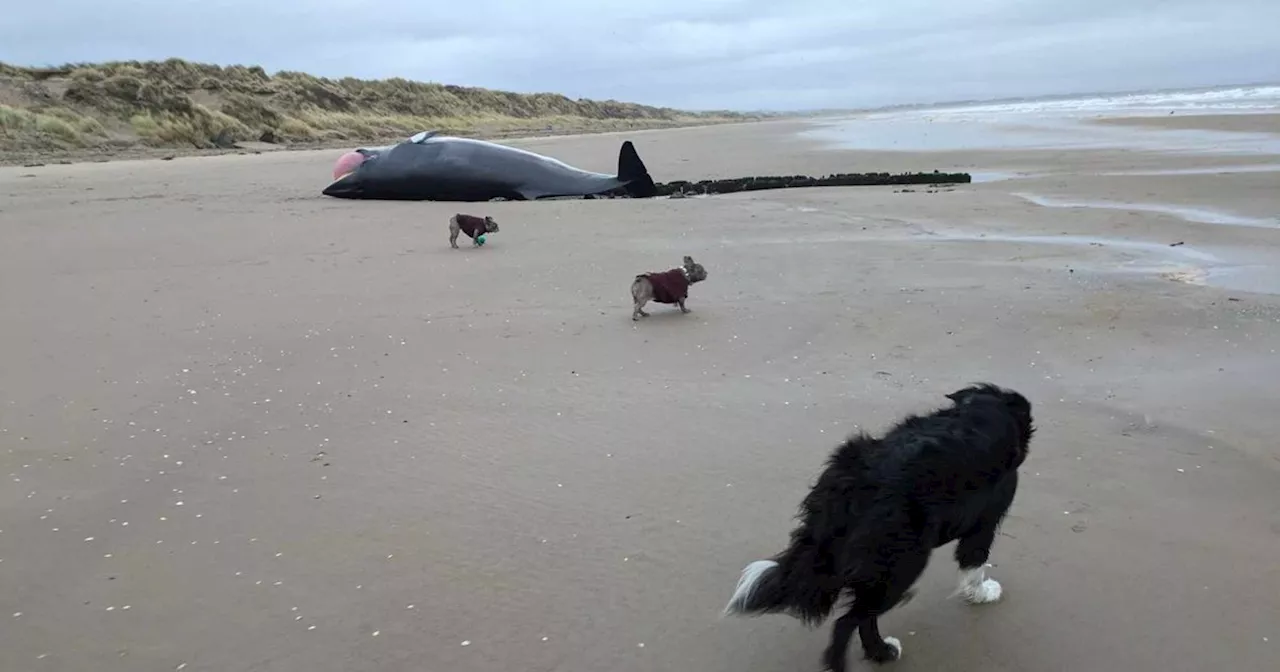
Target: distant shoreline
[[142, 153], [1245, 122]]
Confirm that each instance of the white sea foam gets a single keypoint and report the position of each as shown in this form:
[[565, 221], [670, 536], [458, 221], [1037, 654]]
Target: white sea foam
[[1225, 99]]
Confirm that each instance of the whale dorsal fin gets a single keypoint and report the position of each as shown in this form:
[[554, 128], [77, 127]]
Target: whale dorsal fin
[[418, 138]]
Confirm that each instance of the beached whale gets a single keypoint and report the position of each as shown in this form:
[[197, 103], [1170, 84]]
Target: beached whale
[[433, 167]]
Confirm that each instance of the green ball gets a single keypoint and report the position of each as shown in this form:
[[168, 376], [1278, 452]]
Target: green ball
[[480, 239]]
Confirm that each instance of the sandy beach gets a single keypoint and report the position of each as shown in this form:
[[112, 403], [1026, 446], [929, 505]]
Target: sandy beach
[[244, 427]]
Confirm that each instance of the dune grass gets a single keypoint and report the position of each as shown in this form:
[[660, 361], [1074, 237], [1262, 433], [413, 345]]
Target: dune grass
[[178, 104], [27, 129]]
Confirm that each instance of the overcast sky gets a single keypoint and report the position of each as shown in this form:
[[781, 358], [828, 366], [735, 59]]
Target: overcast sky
[[741, 54]]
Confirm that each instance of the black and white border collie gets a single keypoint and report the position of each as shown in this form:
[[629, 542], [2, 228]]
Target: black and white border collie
[[882, 505]]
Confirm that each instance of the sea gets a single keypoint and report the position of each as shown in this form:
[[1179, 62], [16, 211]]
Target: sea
[[1056, 122]]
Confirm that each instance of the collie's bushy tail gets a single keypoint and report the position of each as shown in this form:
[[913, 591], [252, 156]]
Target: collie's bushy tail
[[790, 586], [802, 581], [806, 579]]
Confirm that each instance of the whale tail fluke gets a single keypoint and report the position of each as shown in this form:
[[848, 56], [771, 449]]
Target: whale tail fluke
[[632, 171]]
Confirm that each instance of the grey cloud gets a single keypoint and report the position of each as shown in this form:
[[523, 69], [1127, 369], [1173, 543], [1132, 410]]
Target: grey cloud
[[706, 54]]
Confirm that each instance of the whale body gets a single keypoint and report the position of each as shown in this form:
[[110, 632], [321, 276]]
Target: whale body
[[433, 167]]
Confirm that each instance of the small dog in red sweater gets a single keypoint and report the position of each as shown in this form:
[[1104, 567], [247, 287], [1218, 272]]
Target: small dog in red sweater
[[471, 225], [665, 287]]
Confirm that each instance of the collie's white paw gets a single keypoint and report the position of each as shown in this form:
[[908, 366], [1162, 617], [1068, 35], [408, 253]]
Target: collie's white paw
[[895, 643], [976, 588], [987, 591]]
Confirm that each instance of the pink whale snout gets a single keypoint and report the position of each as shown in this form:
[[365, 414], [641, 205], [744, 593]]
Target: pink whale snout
[[347, 163]]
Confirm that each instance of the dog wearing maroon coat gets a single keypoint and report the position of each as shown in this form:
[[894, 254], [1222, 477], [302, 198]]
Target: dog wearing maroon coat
[[665, 287], [471, 225]]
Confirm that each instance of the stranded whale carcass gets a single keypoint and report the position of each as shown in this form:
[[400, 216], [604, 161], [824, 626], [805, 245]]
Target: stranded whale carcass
[[432, 167]]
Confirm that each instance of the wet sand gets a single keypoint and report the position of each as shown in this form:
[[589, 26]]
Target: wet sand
[[245, 427], [1238, 123]]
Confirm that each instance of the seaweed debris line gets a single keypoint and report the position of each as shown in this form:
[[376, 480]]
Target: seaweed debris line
[[731, 185]]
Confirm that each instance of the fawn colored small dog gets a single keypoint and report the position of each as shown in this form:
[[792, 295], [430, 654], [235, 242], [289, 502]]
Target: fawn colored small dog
[[665, 287]]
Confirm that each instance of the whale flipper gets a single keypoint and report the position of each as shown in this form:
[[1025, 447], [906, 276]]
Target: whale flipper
[[633, 172]]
